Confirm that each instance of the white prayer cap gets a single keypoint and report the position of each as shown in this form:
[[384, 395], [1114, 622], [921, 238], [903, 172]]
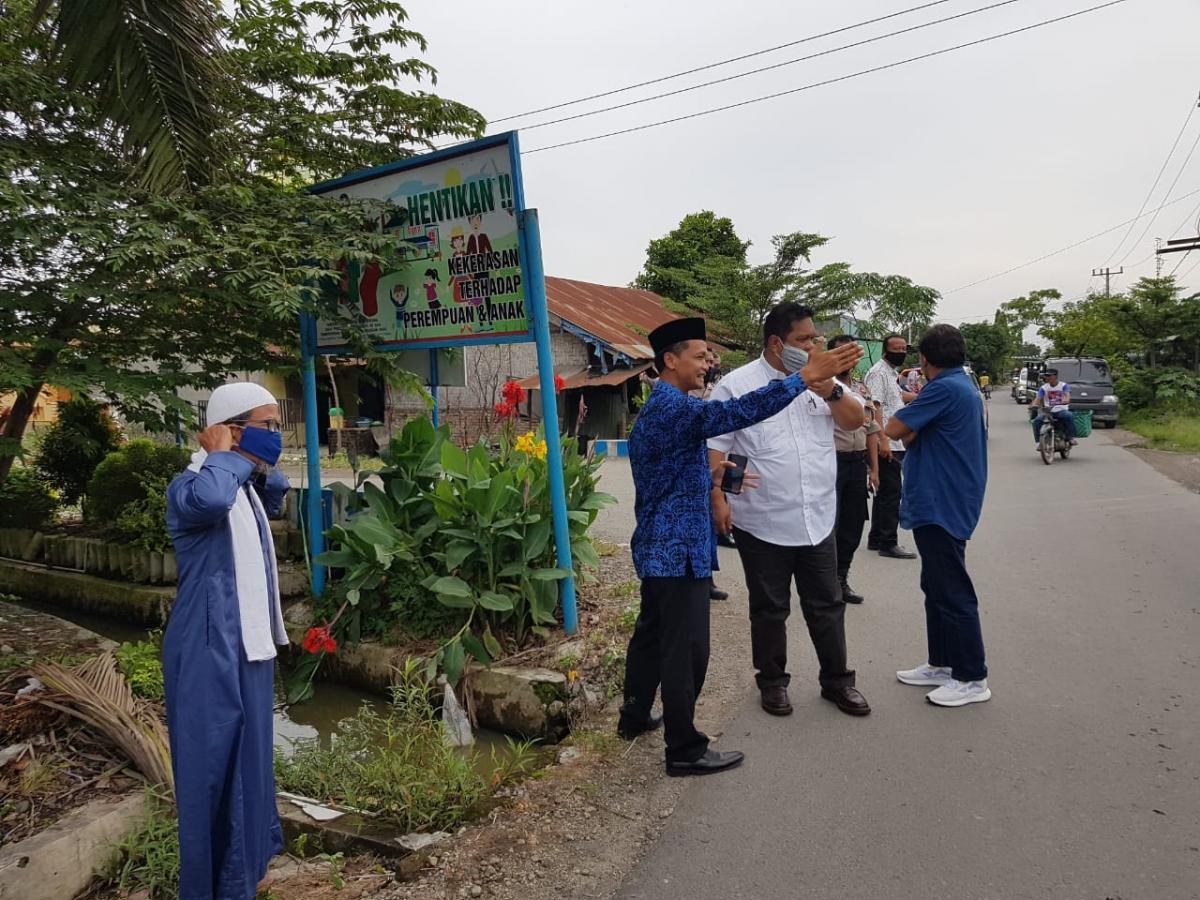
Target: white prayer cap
[[232, 400]]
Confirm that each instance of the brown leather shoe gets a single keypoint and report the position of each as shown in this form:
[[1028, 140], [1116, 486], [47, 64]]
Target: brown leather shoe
[[775, 701], [848, 700]]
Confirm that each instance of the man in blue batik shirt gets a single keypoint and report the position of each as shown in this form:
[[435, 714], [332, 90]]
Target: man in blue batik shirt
[[674, 548]]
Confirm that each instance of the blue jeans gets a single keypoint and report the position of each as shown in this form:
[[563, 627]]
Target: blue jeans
[[1068, 423], [951, 607]]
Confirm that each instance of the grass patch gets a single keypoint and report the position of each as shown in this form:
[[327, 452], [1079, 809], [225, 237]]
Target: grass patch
[[1178, 431], [605, 548], [148, 858], [602, 743], [398, 765]]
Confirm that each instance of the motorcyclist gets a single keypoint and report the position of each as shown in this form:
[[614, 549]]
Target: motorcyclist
[[1054, 396]]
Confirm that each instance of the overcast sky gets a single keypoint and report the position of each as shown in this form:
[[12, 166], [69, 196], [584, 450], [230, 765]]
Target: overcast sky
[[947, 170]]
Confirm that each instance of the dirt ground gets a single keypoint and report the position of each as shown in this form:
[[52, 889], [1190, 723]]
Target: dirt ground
[[49, 763], [1183, 468], [579, 826]]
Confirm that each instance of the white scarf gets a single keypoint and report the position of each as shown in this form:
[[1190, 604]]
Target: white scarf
[[262, 623]]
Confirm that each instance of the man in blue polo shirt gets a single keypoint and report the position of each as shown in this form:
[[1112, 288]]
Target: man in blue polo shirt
[[945, 473]]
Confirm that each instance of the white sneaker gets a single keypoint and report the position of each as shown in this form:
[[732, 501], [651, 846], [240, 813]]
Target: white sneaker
[[960, 693], [925, 674]]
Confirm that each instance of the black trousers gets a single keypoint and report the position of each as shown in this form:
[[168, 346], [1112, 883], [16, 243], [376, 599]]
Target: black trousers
[[951, 607], [851, 507], [669, 649], [770, 572], [885, 514]]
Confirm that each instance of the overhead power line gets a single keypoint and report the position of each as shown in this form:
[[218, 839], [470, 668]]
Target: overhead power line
[[1098, 234], [1157, 179], [773, 66], [719, 63], [1178, 175], [829, 81]]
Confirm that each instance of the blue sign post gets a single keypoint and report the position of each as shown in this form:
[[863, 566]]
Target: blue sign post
[[473, 275]]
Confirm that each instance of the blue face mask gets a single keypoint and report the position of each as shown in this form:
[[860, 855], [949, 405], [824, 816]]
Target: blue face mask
[[266, 445]]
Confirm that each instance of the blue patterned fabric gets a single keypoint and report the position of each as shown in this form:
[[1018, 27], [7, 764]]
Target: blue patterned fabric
[[674, 536]]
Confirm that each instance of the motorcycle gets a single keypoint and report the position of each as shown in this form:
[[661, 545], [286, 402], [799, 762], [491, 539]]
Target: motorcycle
[[1052, 436]]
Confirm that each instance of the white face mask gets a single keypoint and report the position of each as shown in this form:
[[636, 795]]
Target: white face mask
[[793, 358]]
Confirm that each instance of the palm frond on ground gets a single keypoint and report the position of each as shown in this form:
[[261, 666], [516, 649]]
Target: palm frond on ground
[[97, 693]]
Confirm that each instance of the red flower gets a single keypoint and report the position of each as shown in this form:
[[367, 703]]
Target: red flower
[[559, 383], [513, 394], [317, 639], [505, 409]]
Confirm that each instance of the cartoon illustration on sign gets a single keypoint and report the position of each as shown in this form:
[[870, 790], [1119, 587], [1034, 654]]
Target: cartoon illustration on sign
[[459, 245]]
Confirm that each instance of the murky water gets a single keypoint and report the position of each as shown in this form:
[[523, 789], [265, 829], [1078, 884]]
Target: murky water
[[317, 718]]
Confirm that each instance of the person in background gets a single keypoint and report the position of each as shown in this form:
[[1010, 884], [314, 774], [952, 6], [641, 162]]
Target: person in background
[[885, 389], [945, 475], [219, 648], [857, 469], [1055, 397], [673, 547], [785, 531]]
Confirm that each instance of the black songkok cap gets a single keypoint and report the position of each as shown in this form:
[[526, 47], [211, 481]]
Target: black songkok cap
[[675, 332]]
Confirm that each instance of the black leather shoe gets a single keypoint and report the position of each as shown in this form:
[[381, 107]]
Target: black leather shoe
[[849, 594], [775, 701], [710, 763], [628, 733], [848, 700], [897, 553], [715, 593]]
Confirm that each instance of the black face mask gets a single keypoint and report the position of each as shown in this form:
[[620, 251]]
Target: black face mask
[[896, 357]]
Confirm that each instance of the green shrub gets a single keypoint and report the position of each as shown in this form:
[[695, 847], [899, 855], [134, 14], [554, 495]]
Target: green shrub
[[129, 475], [141, 664], [74, 445], [26, 501], [471, 528], [143, 522], [1136, 390]]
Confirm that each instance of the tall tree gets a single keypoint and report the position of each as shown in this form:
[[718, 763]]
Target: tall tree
[[899, 305], [989, 346], [673, 262], [153, 70], [1155, 312], [108, 286]]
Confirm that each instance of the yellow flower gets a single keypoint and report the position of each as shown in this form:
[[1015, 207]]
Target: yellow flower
[[573, 675], [530, 446]]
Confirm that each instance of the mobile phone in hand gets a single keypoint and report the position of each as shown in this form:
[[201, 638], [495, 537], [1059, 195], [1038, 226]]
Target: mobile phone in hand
[[731, 482]]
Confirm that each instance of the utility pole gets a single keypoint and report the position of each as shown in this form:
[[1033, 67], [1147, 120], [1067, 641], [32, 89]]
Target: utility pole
[[1108, 274], [1158, 260]]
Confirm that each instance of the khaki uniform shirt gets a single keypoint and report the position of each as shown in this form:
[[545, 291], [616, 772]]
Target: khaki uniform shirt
[[855, 440]]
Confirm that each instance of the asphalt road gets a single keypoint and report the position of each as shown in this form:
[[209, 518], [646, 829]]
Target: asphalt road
[[1081, 777]]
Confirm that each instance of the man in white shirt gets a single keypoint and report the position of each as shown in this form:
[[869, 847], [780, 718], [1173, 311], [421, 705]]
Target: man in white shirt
[[882, 382], [785, 530], [1055, 397]]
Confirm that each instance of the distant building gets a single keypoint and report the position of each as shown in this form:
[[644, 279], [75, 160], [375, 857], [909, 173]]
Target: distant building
[[598, 340]]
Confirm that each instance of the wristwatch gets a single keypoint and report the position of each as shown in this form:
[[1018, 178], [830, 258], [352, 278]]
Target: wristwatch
[[836, 394]]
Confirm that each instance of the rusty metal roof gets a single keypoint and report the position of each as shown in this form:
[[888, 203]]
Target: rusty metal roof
[[619, 317], [586, 378]]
